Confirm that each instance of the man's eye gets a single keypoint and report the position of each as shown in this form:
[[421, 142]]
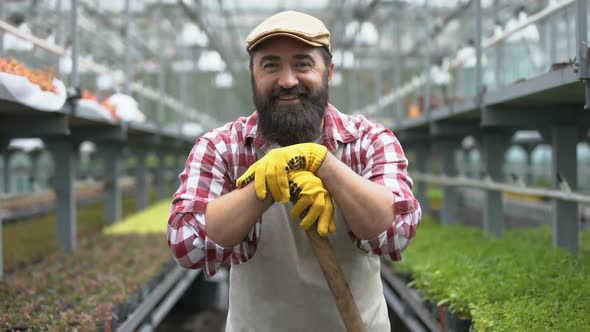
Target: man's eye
[[303, 65], [269, 66]]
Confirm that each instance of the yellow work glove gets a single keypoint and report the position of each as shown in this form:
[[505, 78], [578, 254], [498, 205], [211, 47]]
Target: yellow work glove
[[308, 194], [272, 169]]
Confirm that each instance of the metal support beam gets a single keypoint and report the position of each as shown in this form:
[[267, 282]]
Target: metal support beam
[[181, 162], [145, 140], [35, 158], [3, 147], [410, 136], [25, 127], [101, 133], [169, 300], [112, 23], [184, 86], [113, 170], [128, 48], [397, 69], [59, 29], [493, 147], [553, 39], [377, 77], [427, 63], [478, 51], [582, 46], [528, 149], [356, 86], [498, 51], [74, 76], [161, 182], [361, 12], [422, 161], [396, 291], [446, 148], [539, 118], [65, 156], [462, 165], [1, 244], [158, 295], [476, 168], [438, 28], [460, 181], [453, 129], [161, 72], [94, 165], [6, 170], [215, 42], [1, 53], [564, 176], [142, 179]]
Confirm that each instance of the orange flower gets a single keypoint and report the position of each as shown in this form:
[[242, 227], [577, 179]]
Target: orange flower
[[43, 78]]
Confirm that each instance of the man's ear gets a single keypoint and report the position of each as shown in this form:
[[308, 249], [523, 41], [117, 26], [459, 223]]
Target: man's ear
[[330, 71], [251, 62]]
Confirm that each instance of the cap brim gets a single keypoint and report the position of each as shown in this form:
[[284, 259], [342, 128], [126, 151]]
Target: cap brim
[[286, 34]]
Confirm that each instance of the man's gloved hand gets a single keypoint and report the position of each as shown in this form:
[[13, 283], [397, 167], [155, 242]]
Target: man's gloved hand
[[308, 194], [272, 169]]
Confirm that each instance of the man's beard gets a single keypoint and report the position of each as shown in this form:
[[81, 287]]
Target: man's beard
[[293, 123]]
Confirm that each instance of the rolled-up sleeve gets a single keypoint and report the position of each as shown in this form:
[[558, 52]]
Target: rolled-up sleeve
[[203, 179], [384, 162]]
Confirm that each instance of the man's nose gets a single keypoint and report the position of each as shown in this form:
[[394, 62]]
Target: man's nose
[[288, 79]]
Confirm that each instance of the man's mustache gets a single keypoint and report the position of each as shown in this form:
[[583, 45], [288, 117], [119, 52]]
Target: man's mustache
[[296, 90]]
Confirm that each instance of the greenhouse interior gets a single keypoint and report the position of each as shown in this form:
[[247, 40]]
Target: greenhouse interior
[[124, 124]]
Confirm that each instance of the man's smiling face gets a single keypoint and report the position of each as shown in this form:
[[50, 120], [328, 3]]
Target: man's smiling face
[[290, 88]]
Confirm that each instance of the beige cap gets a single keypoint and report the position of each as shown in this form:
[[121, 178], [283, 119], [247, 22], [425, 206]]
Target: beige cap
[[303, 27]]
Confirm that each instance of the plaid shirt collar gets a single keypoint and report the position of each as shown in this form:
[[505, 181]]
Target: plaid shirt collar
[[337, 128]]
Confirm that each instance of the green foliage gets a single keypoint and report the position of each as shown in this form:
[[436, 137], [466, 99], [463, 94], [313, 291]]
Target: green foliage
[[542, 182], [81, 290], [152, 220], [39, 233], [526, 313], [519, 282], [64, 291], [434, 195], [152, 161]]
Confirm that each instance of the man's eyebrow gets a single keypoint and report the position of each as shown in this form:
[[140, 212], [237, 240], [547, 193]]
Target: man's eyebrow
[[269, 58], [304, 57]]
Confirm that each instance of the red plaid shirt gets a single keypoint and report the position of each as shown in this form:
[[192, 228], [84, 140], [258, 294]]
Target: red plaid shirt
[[223, 154]]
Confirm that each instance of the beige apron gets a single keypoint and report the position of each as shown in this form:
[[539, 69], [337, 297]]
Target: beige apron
[[282, 287]]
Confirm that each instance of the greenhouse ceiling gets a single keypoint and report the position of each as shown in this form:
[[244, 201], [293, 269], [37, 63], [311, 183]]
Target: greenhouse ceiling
[[366, 27]]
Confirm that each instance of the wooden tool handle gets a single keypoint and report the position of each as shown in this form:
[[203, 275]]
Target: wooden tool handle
[[335, 278]]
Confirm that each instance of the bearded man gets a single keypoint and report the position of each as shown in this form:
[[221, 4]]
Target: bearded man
[[251, 186]]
